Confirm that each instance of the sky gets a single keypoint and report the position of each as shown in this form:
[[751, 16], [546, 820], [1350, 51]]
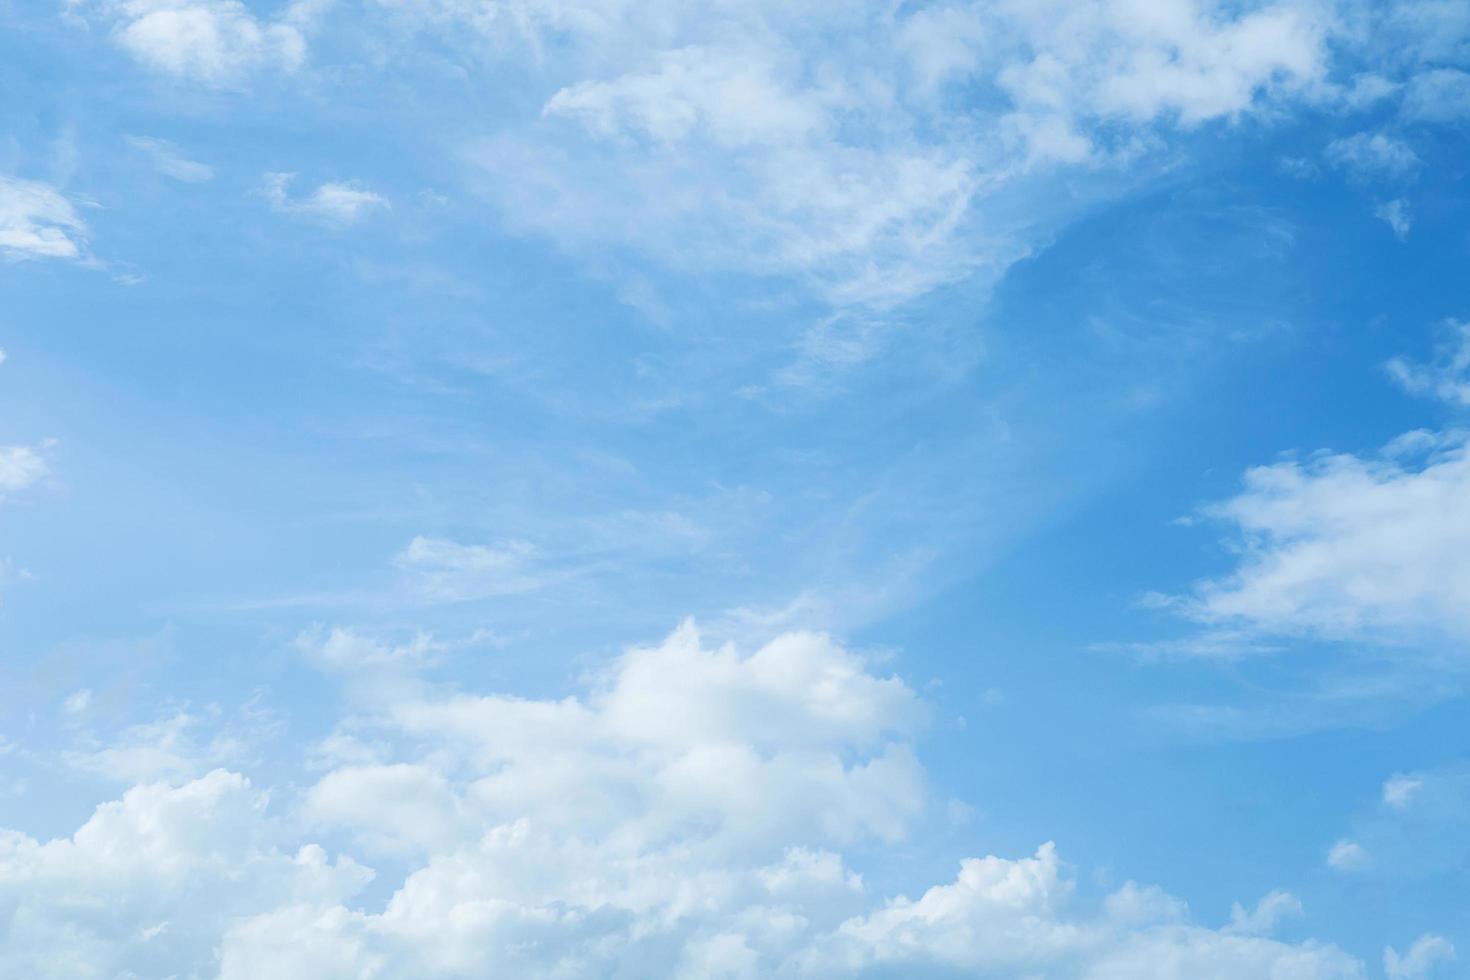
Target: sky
[[607, 489]]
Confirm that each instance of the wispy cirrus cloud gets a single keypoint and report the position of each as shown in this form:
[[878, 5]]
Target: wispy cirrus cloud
[[170, 161], [337, 203], [38, 222]]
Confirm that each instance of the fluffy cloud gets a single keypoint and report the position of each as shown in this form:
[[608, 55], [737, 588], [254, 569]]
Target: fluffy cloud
[[149, 884], [1350, 547], [215, 42], [332, 203], [681, 818], [20, 467], [1420, 959], [1347, 855], [37, 222]]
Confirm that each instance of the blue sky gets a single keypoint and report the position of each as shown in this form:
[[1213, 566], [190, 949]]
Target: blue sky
[[594, 489]]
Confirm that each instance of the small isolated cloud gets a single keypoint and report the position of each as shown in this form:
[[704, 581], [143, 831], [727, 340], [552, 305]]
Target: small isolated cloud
[[215, 42], [1347, 855], [1447, 375], [441, 570], [1373, 156], [1421, 958], [1416, 830], [1398, 791], [37, 222], [170, 162], [1395, 214], [21, 467], [1299, 167], [1268, 913], [77, 702], [333, 203], [346, 651]]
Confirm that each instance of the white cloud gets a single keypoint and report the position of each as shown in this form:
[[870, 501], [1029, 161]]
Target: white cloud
[[21, 467], [1350, 547], [1373, 156], [347, 651], [215, 42], [37, 222], [1347, 855], [442, 570], [1009, 918], [1420, 960], [1395, 214], [1399, 790], [1416, 830], [178, 747], [680, 818], [170, 162], [77, 702], [1447, 376], [1440, 95], [759, 143], [149, 884], [1269, 911], [332, 203]]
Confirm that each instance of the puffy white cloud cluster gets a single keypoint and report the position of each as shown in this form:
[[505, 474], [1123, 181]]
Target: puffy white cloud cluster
[[683, 818], [214, 42], [149, 884]]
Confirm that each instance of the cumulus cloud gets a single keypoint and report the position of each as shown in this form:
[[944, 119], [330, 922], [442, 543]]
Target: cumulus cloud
[[214, 42], [683, 816], [150, 883], [170, 162], [37, 222], [1419, 960], [332, 203]]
